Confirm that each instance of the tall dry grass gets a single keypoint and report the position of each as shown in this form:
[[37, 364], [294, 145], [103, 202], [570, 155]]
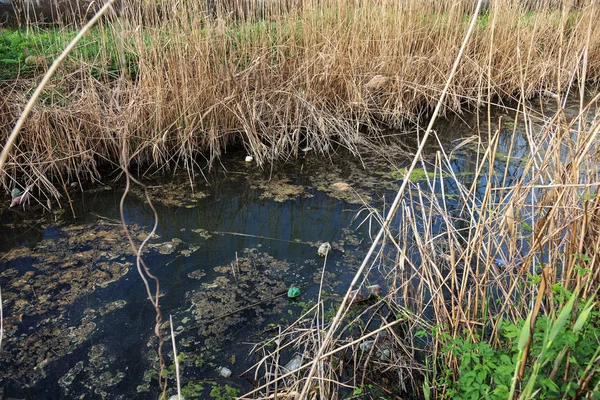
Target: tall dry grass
[[461, 264], [191, 81], [464, 265], [276, 76]]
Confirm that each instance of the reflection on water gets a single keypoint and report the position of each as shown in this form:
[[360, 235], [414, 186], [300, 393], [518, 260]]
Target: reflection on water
[[75, 280]]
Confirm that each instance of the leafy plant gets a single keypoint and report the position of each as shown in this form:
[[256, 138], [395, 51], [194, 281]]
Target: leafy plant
[[562, 362], [14, 50], [225, 392], [22, 52], [192, 390]]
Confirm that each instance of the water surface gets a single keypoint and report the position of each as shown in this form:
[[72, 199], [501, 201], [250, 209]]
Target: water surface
[[78, 321]]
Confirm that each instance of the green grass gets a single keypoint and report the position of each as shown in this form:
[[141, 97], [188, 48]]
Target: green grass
[[23, 54], [15, 47]]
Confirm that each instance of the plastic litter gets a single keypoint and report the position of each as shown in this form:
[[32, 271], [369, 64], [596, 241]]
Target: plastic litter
[[356, 296], [249, 158], [22, 199], [324, 249], [366, 345], [384, 354], [293, 292], [368, 292], [374, 290], [294, 364], [224, 372]]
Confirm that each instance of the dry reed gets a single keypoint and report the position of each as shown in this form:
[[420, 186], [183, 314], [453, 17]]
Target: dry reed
[[273, 76], [464, 265], [324, 74]]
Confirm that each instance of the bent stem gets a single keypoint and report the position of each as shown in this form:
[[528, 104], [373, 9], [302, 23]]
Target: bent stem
[[55, 64]]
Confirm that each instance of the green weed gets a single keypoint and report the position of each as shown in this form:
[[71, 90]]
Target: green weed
[[224, 392], [562, 362]]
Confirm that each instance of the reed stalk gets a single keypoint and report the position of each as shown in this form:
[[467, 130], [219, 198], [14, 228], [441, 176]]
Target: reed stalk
[[188, 80]]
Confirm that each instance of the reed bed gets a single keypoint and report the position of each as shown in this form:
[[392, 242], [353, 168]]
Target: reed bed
[[520, 243], [511, 245], [180, 83], [175, 86]]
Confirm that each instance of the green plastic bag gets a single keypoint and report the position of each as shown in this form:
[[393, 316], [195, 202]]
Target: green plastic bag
[[293, 292]]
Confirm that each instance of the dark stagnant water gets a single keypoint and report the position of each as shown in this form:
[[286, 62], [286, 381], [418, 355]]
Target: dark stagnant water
[[78, 322]]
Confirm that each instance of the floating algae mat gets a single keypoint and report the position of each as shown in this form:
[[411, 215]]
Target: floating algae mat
[[78, 323], [77, 318], [42, 282]]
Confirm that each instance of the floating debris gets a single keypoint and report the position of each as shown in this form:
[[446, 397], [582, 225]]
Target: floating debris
[[370, 292], [324, 249], [384, 354], [499, 262], [366, 345], [22, 199], [294, 364], [19, 198], [293, 292], [374, 290], [357, 296], [224, 372]]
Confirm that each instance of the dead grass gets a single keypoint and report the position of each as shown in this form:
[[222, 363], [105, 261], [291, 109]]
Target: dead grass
[[462, 265], [191, 82], [326, 75]]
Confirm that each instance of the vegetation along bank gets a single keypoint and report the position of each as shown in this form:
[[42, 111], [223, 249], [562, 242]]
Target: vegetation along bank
[[179, 83], [502, 295]]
